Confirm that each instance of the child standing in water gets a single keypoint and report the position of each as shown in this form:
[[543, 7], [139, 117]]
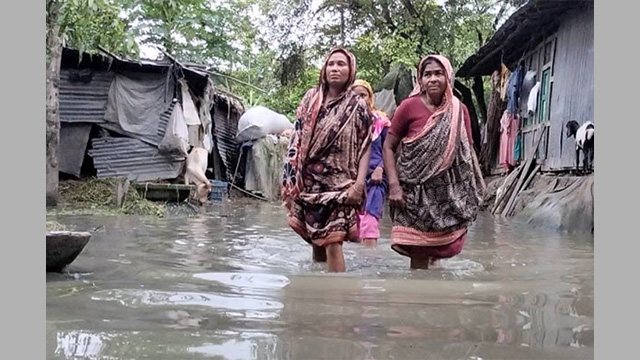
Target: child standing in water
[[376, 181]]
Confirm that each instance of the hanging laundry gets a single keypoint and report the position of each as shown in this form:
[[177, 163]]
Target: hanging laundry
[[509, 125], [513, 89], [517, 151], [528, 81], [533, 99], [188, 107], [504, 80], [514, 129]]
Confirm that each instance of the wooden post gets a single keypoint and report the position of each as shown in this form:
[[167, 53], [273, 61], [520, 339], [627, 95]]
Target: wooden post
[[494, 113], [524, 187], [475, 126], [122, 186], [478, 91], [508, 185], [525, 172]]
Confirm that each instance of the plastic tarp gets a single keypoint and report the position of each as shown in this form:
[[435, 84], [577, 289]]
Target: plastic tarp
[[136, 101], [188, 107], [260, 121], [400, 79], [176, 137], [264, 165], [385, 101]]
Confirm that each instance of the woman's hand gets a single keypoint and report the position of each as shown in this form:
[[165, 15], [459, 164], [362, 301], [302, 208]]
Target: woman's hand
[[355, 194], [396, 195], [376, 176]]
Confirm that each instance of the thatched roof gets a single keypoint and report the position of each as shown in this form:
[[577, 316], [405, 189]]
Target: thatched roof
[[520, 33]]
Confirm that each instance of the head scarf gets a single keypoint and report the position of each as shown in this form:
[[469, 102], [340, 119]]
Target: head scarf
[[308, 110], [448, 69], [323, 84], [366, 86], [380, 118]]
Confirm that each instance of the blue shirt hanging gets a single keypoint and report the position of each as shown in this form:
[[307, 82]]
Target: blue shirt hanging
[[513, 89]]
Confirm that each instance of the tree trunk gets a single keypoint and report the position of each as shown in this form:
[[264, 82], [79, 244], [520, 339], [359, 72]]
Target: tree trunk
[[54, 48], [342, 26], [478, 90], [468, 101], [494, 113]]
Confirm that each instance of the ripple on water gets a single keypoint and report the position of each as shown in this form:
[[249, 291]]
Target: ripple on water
[[134, 298], [246, 280]]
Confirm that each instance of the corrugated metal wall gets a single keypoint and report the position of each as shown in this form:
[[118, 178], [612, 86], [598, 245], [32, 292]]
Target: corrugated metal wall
[[84, 102], [133, 159], [136, 156], [572, 96], [225, 131]]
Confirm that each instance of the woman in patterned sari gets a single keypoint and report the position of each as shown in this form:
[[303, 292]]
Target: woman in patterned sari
[[435, 186], [327, 161]]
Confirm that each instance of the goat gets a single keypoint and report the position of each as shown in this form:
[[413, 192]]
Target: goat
[[584, 142]]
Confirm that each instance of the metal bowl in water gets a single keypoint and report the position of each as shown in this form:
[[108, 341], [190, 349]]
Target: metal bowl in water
[[63, 247]]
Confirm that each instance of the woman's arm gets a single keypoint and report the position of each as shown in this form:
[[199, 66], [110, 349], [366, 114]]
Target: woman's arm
[[363, 168], [396, 195], [389, 158], [356, 191]]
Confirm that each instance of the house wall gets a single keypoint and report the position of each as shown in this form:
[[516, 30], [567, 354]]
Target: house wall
[[225, 128], [571, 96]]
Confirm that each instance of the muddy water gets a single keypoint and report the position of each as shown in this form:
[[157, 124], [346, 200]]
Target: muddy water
[[236, 283]]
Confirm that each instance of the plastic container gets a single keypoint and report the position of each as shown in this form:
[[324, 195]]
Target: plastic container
[[218, 190]]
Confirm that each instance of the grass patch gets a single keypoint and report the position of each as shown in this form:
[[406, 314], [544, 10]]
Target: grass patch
[[97, 197]]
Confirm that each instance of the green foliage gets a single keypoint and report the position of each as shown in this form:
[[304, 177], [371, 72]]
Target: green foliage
[[191, 30], [85, 24], [287, 98], [280, 50]]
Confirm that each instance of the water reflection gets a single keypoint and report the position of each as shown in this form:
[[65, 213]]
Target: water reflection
[[78, 344], [242, 286], [143, 298]]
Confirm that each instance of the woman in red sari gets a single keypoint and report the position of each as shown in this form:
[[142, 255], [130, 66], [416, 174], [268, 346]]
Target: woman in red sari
[[327, 161], [435, 187]]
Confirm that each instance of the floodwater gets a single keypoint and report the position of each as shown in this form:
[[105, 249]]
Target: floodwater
[[237, 283]]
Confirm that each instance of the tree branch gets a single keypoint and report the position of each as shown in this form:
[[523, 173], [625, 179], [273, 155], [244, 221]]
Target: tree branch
[[412, 10], [503, 7], [386, 16]]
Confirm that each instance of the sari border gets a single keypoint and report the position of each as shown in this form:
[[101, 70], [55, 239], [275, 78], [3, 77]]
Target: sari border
[[402, 235], [333, 237]]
